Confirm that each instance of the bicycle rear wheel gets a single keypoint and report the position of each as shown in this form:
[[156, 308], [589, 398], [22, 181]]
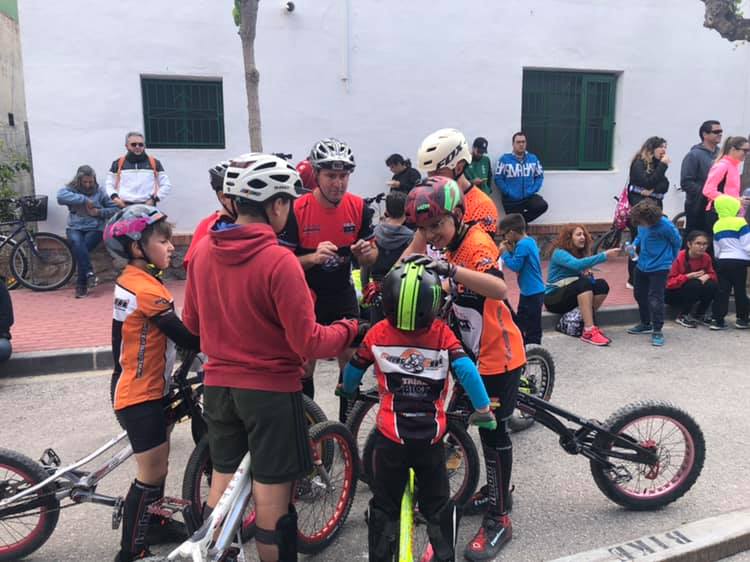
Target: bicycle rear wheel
[[6, 251], [538, 379], [607, 241], [360, 422], [50, 263], [24, 532]]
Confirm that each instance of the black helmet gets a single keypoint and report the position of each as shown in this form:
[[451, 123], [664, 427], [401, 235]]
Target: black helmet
[[216, 175], [411, 296]]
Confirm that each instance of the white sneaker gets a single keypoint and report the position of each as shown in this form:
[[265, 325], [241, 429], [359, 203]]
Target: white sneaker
[[628, 285]]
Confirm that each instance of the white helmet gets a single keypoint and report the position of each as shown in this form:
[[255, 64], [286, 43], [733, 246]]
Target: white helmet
[[443, 149], [258, 177], [332, 154]]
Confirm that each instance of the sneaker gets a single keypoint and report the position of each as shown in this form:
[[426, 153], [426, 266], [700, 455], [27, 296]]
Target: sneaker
[[629, 285], [165, 531], [480, 501], [82, 291], [705, 320], [717, 325], [492, 536], [686, 320], [91, 280], [594, 336], [742, 324], [657, 339], [641, 329]]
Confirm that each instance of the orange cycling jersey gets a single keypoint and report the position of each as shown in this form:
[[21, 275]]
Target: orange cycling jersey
[[480, 210], [143, 354], [485, 326]]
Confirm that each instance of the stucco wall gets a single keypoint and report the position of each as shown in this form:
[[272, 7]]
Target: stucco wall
[[379, 74]]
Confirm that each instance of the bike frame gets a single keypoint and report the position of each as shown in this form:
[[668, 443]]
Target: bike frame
[[20, 226]]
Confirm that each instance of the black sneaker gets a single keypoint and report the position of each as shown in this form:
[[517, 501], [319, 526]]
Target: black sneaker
[[480, 501], [165, 531], [491, 537], [705, 320], [686, 320], [91, 280], [742, 324], [718, 325], [82, 291]]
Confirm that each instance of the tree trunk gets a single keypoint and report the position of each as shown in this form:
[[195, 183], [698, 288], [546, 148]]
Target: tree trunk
[[724, 17], [248, 20]]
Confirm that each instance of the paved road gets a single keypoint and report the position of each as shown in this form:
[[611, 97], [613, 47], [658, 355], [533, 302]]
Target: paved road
[[558, 509]]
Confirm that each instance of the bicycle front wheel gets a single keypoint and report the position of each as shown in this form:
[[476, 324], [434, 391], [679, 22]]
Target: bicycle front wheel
[[538, 379], [24, 532], [360, 422], [50, 263]]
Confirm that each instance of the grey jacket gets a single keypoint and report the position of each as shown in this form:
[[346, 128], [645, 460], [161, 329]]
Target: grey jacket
[[693, 174], [79, 218]]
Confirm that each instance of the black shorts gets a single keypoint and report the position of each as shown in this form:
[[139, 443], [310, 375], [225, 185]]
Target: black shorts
[[271, 425], [503, 389], [329, 308], [566, 299], [146, 424]]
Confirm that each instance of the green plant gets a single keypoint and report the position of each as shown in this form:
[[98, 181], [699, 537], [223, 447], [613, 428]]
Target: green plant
[[11, 165]]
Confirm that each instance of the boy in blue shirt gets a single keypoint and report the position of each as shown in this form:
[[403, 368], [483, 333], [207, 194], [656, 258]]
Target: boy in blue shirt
[[521, 254]]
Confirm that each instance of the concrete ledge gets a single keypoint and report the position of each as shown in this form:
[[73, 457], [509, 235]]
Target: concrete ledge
[[57, 361], [700, 541]]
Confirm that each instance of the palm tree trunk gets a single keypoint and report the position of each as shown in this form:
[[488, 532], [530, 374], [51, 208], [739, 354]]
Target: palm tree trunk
[[248, 20]]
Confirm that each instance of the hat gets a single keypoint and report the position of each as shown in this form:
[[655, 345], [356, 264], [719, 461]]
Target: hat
[[480, 143]]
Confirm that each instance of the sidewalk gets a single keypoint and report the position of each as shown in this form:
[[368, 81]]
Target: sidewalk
[[57, 325]]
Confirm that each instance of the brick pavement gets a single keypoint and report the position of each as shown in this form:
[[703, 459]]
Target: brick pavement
[[56, 320]]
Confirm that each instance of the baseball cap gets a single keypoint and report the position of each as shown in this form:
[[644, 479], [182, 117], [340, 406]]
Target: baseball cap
[[480, 143]]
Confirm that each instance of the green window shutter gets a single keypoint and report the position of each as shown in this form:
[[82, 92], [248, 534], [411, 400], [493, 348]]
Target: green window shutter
[[568, 118], [183, 113]]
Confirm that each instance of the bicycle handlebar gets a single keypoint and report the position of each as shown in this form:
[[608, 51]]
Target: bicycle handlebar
[[374, 199]]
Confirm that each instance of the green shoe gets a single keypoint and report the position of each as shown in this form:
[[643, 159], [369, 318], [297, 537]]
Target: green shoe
[[641, 329]]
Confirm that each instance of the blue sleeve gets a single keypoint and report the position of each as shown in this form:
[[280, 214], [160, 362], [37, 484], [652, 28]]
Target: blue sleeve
[[107, 207], [67, 196], [566, 259], [352, 377], [538, 178], [500, 177], [515, 260], [467, 374], [674, 237]]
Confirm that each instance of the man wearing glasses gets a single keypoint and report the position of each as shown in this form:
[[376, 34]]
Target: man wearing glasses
[[695, 167], [136, 177]]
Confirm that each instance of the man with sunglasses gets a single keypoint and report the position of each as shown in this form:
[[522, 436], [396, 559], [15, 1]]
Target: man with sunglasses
[[136, 178], [694, 171]]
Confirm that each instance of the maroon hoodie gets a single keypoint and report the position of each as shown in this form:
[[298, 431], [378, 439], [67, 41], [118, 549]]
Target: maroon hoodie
[[247, 298]]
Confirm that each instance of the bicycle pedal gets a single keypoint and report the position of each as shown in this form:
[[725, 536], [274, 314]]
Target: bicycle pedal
[[231, 554], [117, 513], [168, 507], [49, 458]]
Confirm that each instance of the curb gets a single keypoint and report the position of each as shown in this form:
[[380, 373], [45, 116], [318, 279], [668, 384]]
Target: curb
[[705, 540]]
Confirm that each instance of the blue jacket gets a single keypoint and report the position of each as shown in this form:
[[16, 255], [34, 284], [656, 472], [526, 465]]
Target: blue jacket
[[525, 261], [519, 179], [658, 246], [564, 265], [78, 218]]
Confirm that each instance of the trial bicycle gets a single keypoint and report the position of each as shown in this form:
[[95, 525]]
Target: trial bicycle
[[40, 261]]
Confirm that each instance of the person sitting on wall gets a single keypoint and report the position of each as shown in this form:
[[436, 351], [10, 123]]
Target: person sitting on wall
[[520, 176], [404, 176], [137, 177]]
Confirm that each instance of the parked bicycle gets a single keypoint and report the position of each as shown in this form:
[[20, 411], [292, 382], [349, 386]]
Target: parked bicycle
[[40, 261], [32, 494]]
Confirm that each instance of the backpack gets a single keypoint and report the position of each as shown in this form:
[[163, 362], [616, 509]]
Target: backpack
[[152, 163], [571, 323], [622, 210]]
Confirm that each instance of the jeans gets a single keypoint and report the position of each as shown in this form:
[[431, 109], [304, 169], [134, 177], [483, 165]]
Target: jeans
[[732, 275], [691, 293], [82, 242], [649, 293], [531, 208], [529, 317]]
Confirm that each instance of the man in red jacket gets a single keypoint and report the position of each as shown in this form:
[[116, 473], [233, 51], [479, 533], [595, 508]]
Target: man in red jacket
[[247, 296]]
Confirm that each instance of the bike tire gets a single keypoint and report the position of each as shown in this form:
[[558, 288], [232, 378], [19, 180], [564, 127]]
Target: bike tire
[[6, 253], [540, 372], [607, 241], [461, 453], [28, 473], [360, 422], [49, 268], [662, 421], [199, 467]]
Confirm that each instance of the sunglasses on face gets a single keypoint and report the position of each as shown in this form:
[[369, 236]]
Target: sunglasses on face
[[717, 131], [137, 144]]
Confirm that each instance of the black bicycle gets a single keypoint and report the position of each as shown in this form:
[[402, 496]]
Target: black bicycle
[[40, 261]]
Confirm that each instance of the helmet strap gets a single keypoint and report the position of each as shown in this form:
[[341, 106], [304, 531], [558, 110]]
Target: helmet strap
[[323, 195], [461, 229], [230, 212], [150, 267]]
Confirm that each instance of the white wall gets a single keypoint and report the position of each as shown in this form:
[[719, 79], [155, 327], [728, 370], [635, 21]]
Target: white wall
[[380, 79]]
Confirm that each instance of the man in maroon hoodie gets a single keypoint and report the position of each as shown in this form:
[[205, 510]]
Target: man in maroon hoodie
[[247, 296]]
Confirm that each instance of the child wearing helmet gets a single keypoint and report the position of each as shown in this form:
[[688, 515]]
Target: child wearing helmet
[[412, 352], [484, 324], [144, 330], [247, 297]]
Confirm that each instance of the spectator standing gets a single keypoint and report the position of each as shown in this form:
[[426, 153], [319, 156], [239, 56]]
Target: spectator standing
[[571, 282], [89, 208], [6, 321], [647, 181], [724, 177], [479, 171], [404, 176], [694, 171], [732, 252], [659, 242], [520, 253], [692, 281], [520, 176], [137, 177]]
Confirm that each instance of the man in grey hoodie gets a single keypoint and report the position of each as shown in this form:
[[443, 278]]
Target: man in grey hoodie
[[695, 167]]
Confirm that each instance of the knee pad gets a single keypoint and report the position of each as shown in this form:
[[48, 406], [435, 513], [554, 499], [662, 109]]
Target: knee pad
[[442, 528], [284, 537], [382, 534]]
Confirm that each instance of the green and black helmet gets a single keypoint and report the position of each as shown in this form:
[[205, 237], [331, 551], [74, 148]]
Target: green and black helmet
[[412, 296]]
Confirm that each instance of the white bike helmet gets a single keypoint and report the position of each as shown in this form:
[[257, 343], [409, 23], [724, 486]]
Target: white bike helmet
[[258, 177], [332, 154], [443, 149], [216, 175]]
